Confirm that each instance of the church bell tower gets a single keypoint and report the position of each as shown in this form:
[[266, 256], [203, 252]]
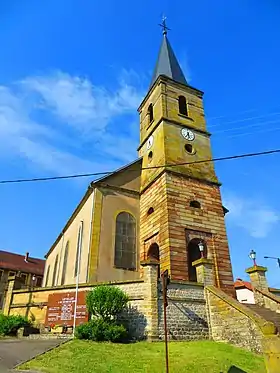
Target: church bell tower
[[180, 202]]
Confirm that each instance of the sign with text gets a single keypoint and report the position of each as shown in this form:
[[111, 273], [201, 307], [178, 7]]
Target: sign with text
[[61, 308]]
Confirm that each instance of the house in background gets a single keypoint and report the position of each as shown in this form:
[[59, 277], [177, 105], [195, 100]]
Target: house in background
[[30, 270], [244, 291]]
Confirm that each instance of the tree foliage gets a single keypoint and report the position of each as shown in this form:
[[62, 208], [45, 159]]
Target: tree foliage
[[106, 302]]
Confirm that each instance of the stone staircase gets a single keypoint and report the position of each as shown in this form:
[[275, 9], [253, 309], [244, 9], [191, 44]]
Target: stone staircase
[[267, 314]]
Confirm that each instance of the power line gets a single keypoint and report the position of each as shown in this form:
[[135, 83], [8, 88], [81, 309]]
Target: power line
[[248, 126], [224, 116], [252, 133], [240, 112], [275, 151], [246, 119]]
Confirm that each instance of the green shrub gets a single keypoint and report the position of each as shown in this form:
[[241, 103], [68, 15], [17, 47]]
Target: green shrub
[[84, 331], [99, 330], [9, 325], [106, 302], [115, 333]]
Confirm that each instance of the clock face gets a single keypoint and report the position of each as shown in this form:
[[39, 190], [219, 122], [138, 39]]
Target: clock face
[[150, 142], [187, 134]]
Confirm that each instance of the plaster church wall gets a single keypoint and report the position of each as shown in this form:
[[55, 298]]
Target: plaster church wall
[[113, 203], [70, 236]]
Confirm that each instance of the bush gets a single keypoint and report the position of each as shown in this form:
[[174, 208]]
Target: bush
[[9, 325], [99, 330], [115, 333], [84, 331], [106, 302]]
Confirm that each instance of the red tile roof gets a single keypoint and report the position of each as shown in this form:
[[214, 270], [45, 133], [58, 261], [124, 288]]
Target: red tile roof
[[16, 262], [239, 283]]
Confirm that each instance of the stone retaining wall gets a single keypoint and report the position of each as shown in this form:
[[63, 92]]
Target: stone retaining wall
[[233, 322], [186, 313], [265, 298]]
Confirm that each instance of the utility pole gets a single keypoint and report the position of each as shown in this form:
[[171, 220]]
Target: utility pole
[[165, 282]]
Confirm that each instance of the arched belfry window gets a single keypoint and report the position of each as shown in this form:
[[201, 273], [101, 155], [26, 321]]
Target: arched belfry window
[[151, 113], [125, 241], [183, 109]]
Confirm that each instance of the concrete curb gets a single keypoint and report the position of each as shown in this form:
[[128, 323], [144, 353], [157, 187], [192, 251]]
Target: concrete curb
[[14, 369]]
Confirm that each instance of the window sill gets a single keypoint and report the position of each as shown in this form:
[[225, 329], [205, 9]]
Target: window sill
[[185, 116], [126, 269], [150, 124]]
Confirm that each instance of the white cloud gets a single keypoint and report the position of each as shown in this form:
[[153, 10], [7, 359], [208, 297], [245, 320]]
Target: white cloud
[[257, 218], [65, 124], [78, 102]]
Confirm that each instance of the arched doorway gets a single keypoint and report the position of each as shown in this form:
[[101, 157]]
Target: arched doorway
[[153, 253], [194, 254]]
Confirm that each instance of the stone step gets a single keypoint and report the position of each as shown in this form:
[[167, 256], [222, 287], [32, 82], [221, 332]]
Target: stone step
[[267, 314]]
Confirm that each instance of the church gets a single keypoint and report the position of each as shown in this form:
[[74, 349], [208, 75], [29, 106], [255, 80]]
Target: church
[[165, 205], [161, 212]]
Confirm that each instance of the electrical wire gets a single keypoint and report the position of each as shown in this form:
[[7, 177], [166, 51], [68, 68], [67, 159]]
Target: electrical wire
[[248, 126], [243, 120], [239, 156], [251, 133], [240, 112]]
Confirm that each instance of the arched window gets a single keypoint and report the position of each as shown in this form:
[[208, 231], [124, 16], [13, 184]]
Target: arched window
[[125, 241], [183, 105], [65, 260], [195, 204], [47, 276], [54, 270], [151, 113], [79, 250]]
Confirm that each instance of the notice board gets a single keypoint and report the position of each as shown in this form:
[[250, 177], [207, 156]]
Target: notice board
[[61, 307]]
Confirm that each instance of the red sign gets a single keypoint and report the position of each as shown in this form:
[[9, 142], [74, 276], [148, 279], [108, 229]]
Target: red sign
[[61, 308]]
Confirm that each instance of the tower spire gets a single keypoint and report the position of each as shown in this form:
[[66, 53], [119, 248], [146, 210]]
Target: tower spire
[[167, 63]]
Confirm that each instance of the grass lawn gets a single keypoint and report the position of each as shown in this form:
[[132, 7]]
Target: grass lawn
[[199, 356]]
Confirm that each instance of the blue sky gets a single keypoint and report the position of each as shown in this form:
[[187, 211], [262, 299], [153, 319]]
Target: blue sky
[[72, 74]]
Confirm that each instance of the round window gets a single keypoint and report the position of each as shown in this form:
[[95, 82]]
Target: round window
[[189, 149]]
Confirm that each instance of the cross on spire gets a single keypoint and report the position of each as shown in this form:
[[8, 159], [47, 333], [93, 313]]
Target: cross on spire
[[163, 25]]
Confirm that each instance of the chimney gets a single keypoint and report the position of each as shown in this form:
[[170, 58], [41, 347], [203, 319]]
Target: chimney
[[26, 257]]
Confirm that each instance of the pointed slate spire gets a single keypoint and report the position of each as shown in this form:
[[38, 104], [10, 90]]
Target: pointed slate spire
[[167, 63]]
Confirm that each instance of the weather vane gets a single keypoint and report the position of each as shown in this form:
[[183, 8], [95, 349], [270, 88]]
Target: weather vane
[[163, 25]]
